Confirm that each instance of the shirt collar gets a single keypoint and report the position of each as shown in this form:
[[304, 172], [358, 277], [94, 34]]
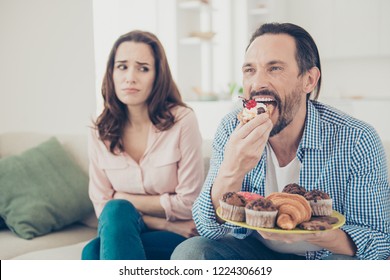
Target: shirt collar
[[311, 138]]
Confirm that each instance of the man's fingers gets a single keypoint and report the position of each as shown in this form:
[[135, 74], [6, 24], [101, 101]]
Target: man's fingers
[[244, 130]]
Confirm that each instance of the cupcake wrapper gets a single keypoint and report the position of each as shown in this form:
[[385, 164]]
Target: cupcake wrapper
[[264, 219], [232, 212], [322, 207]]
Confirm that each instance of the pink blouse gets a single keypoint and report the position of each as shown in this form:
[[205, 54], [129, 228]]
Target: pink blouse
[[172, 166]]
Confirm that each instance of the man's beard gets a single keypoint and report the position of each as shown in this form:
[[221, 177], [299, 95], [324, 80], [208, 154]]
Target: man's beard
[[287, 110]]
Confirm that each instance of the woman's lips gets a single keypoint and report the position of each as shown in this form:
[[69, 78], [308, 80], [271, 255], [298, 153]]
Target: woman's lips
[[130, 90]]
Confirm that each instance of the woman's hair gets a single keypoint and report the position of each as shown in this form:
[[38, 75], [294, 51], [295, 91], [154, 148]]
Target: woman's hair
[[164, 95], [307, 55]]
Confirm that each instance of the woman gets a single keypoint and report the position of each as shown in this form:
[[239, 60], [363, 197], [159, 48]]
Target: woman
[[146, 166]]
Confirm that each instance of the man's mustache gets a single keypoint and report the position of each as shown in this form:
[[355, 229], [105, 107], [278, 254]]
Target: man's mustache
[[265, 92]]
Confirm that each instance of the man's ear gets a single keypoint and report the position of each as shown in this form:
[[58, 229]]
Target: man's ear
[[311, 79]]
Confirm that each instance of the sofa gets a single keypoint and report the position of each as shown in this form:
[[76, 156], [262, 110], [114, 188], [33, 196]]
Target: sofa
[[67, 242]]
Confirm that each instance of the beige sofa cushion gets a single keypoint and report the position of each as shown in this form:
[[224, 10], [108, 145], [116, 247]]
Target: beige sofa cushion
[[13, 246]]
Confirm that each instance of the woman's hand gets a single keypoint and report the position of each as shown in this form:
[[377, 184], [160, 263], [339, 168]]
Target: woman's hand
[[144, 203], [184, 228]]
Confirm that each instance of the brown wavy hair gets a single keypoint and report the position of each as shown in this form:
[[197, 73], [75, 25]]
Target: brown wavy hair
[[164, 96]]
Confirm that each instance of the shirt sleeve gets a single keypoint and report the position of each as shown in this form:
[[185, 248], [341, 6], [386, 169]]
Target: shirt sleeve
[[368, 201], [203, 210], [177, 205], [100, 188]]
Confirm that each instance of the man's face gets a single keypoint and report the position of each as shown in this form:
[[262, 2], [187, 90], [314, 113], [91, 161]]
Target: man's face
[[270, 72]]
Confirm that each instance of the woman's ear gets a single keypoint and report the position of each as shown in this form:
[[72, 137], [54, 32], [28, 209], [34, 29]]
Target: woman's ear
[[311, 79]]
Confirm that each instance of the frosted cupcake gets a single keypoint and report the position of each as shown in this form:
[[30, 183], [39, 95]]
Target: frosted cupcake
[[251, 110], [233, 207], [320, 202], [261, 212], [249, 196]]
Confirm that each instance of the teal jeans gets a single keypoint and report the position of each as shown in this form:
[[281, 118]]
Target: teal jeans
[[122, 235], [230, 248]]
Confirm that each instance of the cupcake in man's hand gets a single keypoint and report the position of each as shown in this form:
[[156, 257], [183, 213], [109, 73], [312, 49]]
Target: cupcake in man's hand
[[253, 107]]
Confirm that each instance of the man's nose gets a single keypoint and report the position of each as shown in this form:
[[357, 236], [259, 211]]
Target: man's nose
[[260, 81]]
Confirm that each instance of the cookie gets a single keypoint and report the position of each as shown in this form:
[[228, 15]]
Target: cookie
[[330, 220], [315, 225]]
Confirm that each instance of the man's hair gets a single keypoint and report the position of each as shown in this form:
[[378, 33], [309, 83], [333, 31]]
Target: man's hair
[[164, 96], [307, 55]]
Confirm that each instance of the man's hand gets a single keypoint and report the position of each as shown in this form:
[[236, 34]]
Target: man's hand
[[242, 153], [246, 145], [336, 241]]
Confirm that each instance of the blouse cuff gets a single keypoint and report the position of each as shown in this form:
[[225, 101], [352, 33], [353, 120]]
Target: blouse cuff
[[167, 206]]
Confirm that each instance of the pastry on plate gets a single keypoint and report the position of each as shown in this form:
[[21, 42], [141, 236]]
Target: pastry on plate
[[320, 202], [232, 206], [261, 213], [293, 209], [249, 196], [294, 189]]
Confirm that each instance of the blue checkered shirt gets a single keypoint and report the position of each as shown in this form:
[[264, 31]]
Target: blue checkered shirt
[[339, 155]]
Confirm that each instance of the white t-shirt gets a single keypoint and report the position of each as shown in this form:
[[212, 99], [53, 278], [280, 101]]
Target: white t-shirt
[[276, 179]]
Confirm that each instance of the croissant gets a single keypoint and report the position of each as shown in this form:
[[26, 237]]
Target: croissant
[[293, 209]]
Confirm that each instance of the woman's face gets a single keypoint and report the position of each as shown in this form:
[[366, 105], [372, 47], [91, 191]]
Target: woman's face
[[133, 73]]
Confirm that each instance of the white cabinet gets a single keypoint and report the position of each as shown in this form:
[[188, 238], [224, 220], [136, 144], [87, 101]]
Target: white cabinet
[[248, 15], [195, 39]]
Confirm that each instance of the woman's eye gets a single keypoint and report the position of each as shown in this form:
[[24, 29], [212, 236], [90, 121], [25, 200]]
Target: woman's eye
[[144, 69], [122, 67]]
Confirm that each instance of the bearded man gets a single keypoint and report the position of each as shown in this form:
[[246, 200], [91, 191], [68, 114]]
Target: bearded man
[[299, 141]]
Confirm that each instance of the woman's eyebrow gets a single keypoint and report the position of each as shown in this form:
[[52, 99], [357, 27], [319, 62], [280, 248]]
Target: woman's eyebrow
[[142, 63]]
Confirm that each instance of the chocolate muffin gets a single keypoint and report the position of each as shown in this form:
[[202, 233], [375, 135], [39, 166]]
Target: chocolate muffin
[[233, 207], [261, 212], [320, 202], [294, 189]]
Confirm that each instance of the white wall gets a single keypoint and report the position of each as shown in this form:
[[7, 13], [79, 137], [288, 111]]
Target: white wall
[[117, 17], [47, 63], [47, 66]]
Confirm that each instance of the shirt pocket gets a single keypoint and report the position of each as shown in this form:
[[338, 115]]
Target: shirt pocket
[[164, 169], [122, 176]]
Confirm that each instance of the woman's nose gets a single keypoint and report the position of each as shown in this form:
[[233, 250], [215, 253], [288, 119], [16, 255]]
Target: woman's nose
[[130, 76]]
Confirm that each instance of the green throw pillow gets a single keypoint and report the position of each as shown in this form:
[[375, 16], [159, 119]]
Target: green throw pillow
[[2, 223], [42, 190]]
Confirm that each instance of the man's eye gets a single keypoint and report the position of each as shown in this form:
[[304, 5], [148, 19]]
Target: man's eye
[[275, 68], [248, 70]]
